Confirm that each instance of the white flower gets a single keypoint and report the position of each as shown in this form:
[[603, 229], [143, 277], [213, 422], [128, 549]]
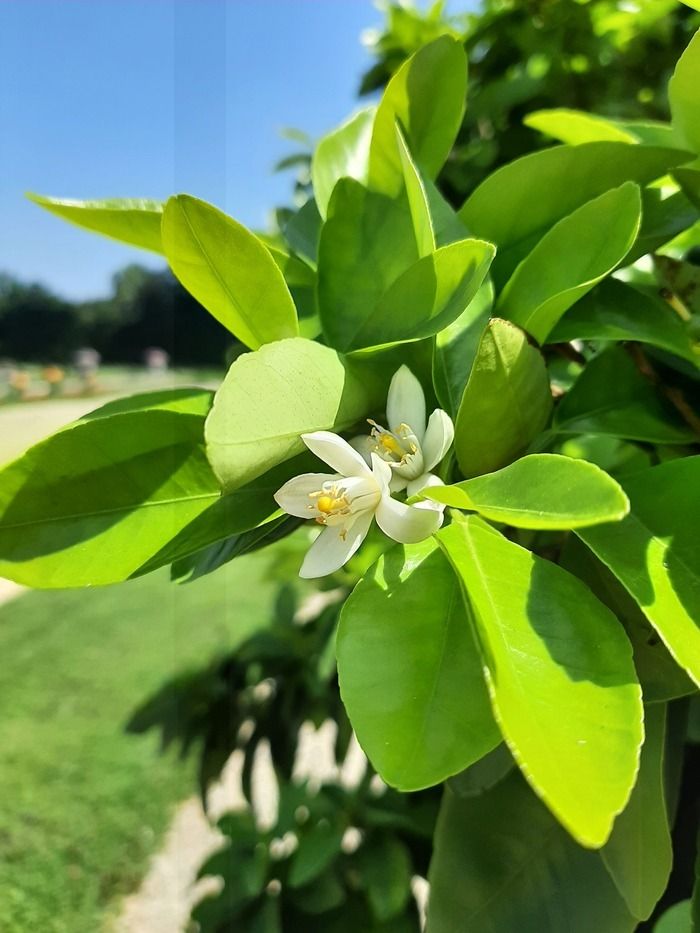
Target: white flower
[[409, 447], [345, 502]]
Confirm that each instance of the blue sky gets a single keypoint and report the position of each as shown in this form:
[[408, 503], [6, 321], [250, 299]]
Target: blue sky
[[143, 98]]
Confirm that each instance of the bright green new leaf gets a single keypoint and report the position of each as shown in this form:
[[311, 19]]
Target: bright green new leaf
[[683, 94], [574, 127], [366, 243], [638, 854], [342, 153], [560, 674], [654, 553], [506, 402], [516, 205], [455, 349], [501, 864], [429, 296], [91, 504], [612, 397], [270, 397], [426, 96], [617, 311], [570, 259], [228, 270], [418, 199], [409, 671], [130, 220], [540, 491]]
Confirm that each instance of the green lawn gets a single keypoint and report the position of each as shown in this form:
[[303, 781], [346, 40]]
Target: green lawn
[[82, 804]]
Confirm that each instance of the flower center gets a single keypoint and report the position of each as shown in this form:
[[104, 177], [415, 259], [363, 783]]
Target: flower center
[[396, 446], [330, 501]]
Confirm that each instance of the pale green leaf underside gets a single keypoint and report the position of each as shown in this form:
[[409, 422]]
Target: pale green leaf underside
[[410, 674]]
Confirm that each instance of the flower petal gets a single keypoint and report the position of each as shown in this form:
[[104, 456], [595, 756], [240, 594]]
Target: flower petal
[[438, 437], [405, 403], [407, 524], [422, 482], [382, 472], [336, 452], [331, 550], [364, 444], [294, 496]]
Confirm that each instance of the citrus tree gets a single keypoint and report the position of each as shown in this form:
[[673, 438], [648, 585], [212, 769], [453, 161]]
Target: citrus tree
[[487, 422]]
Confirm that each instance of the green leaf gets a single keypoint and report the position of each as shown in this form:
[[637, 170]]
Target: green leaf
[[617, 311], [270, 397], [483, 774], [342, 153], [570, 259], [366, 243], [664, 217], [661, 678], [426, 96], [429, 296], [91, 504], [654, 553], [638, 854], [135, 221], [501, 864], [385, 867], [456, 347], [683, 94], [506, 402], [418, 199], [560, 674], [516, 205], [303, 229], [409, 671], [574, 127], [317, 849], [540, 491], [612, 397], [677, 919], [689, 180], [228, 270]]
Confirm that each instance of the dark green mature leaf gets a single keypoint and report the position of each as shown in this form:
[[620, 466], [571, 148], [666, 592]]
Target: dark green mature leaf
[[654, 553], [638, 854], [689, 180], [664, 216], [303, 229], [366, 243], [426, 96], [409, 671], [270, 397], [342, 153], [228, 270], [612, 397], [618, 311], [91, 504], [385, 867], [506, 402], [572, 257], [677, 919], [429, 296], [683, 94], [455, 349], [317, 849], [560, 673], [502, 865], [516, 205], [483, 774], [130, 220], [540, 491], [661, 678]]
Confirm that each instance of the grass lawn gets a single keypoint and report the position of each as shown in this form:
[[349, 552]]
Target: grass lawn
[[82, 804]]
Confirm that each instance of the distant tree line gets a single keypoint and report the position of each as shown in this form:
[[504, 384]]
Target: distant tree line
[[145, 309]]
